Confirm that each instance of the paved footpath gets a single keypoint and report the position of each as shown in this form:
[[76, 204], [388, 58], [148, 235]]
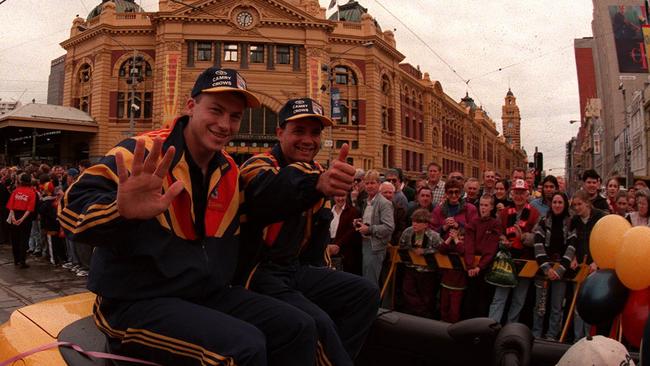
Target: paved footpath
[[41, 281]]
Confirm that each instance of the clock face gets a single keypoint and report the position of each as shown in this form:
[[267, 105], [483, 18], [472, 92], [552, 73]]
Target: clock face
[[244, 19]]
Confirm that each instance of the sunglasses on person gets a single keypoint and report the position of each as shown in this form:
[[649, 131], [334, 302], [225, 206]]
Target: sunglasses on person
[[452, 192], [392, 180]]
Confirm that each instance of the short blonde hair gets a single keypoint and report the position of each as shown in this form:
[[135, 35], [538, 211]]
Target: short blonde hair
[[372, 174]]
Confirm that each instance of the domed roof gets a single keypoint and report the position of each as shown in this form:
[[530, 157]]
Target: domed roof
[[121, 6], [351, 12], [509, 94], [468, 101]]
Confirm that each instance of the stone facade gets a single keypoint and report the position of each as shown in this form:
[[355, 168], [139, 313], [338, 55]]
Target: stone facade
[[392, 114]]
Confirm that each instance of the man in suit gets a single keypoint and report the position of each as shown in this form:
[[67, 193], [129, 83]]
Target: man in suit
[[376, 227]]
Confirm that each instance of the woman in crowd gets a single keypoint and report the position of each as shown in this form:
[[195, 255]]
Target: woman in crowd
[[612, 189], [631, 199], [640, 216], [583, 222], [501, 197], [22, 207], [554, 252], [622, 207], [346, 242], [453, 212]]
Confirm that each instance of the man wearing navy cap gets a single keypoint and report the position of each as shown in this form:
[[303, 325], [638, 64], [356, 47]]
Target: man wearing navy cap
[[285, 237], [162, 210]]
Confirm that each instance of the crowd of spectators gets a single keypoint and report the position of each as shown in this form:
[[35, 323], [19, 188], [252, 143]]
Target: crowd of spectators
[[29, 200], [472, 219]]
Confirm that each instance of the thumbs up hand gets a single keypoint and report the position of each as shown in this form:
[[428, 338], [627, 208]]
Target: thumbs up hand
[[338, 179]]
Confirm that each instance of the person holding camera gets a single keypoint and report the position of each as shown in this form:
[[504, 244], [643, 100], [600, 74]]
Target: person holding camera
[[518, 222], [376, 227]]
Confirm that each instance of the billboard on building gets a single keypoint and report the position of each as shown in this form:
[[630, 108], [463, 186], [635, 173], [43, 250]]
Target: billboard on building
[[627, 21]]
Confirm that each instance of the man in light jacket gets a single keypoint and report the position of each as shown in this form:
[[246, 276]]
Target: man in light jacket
[[376, 227]]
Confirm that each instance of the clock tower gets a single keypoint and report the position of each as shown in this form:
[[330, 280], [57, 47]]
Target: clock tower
[[511, 121]]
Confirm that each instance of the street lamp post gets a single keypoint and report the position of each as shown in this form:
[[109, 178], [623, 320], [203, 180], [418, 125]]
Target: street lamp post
[[626, 143]]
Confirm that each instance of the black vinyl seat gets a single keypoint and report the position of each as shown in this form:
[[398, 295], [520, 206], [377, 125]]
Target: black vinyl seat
[[85, 334]]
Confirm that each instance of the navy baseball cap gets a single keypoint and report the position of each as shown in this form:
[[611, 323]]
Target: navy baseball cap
[[218, 80], [300, 108]]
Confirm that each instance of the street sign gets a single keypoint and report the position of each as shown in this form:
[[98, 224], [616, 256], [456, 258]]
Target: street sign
[[627, 77]]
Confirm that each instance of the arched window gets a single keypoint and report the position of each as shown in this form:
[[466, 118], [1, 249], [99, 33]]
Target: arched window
[[84, 73], [135, 89], [435, 136], [343, 75], [386, 104], [385, 85], [140, 64], [83, 88], [347, 82]]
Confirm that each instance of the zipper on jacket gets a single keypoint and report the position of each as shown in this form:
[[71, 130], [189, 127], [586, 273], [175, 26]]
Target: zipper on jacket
[[205, 255]]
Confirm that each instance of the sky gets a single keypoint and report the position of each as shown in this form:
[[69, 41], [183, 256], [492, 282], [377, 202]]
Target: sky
[[494, 44]]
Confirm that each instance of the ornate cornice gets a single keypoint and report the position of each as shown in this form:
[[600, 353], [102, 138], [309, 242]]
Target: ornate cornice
[[305, 19], [377, 42], [99, 30]]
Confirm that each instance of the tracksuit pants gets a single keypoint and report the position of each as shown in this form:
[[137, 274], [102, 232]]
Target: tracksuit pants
[[419, 290], [19, 238], [231, 327], [343, 305]]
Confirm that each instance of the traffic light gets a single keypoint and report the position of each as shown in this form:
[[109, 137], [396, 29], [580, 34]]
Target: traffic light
[[538, 159]]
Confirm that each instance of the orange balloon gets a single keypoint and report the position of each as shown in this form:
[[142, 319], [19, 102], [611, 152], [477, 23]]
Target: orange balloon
[[606, 239], [633, 259]]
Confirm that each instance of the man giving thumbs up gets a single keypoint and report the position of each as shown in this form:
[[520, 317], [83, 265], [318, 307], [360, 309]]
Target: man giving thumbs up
[[286, 233]]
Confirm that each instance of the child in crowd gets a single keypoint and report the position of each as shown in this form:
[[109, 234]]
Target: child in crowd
[[454, 281], [420, 284], [481, 239]]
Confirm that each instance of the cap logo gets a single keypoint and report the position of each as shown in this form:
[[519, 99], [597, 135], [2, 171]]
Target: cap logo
[[317, 108], [299, 106], [241, 83], [220, 72], [221, 80]]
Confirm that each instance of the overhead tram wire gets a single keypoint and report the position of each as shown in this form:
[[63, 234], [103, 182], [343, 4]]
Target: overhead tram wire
[[465, 81], [543, 54], [191, 6], [84, 5]]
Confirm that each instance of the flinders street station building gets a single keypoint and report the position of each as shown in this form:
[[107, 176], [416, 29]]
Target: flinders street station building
[[127, 70]]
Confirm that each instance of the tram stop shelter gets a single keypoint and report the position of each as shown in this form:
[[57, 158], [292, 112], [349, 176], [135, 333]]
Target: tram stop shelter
[[46, 133]]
